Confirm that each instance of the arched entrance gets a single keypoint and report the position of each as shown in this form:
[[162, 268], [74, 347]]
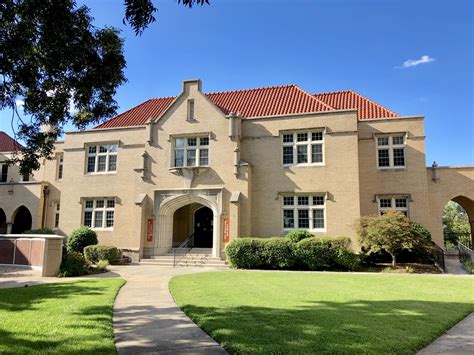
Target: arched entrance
[[21, 220], [458, 222], [3, 222]]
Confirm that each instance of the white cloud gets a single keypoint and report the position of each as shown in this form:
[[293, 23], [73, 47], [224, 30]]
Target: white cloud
[[425, 59], [20, 104]]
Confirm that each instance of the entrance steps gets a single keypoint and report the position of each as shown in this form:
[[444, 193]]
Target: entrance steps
[[197, 257]]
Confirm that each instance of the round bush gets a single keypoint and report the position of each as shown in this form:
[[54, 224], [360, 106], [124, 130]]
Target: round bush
[[316, 253], [297, 235], [95, 253], [80, 238], [278, 253], [73, 264], [245, 253]]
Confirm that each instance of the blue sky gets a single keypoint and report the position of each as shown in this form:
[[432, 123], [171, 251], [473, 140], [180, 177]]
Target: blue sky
[[321, 46]]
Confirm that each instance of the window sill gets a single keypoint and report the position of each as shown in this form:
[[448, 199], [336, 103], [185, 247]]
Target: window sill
[[102, 229], [101, 173], [287, 166], [392, 168], [286, 230]]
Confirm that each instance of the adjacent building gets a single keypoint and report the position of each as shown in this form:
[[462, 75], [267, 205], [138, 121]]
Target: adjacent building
[[212, 167]]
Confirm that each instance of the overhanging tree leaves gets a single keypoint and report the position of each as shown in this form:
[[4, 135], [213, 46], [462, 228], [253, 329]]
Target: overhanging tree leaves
[[52, 58]]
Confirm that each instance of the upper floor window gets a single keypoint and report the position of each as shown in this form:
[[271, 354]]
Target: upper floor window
[[396, 203], [60, 163], [56, 215], [101, 158], [99, 213], [191, 151], [4, 175], [303, 148], [190, 110], [391, 151], [304, 212]]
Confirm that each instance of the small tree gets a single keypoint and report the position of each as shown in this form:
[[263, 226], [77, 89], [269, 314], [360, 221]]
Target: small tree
[[391, 232]]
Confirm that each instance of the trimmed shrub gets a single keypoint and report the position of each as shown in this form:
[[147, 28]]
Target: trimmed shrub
[[347, 260], [96, 253], [278, 253], [73, 264], [39, 231], [80, 238], [298, 235], [102, 265], [245, 253]]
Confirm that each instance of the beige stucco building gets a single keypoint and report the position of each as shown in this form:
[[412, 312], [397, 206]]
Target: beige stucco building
[[213, 167]]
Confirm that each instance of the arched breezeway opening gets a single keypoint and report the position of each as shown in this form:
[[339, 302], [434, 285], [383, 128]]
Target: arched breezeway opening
[[3, 222], [182, 215], [458, 222], [21, 220]]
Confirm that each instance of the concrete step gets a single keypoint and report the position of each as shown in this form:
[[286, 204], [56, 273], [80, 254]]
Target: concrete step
[[216, 263], [189, 256]]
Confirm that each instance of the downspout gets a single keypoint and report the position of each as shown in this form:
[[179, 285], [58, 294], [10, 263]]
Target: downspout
[[44, 211]]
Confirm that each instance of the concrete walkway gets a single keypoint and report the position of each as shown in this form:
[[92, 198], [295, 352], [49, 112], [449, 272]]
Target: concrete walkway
[[19, 276], [147, 320], [453, 265], [457, 340]]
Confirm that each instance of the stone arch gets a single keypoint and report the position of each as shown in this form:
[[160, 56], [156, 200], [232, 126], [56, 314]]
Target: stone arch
[[3, 222], [169, 205], [468, 205], [22, 220]]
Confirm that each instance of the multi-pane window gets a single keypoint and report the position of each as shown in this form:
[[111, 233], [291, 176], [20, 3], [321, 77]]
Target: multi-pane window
[[397, 203], [304, 212], [56, 215], [391, 151], [4, 175], [99, 213], [303, 148], [101, 158], [191, 151], [60, 162]]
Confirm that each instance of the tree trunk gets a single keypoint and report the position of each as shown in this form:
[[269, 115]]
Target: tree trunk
[[394, 259]]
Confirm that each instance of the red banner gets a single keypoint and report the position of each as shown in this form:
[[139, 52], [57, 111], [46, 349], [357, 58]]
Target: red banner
[[226, 230], [149, 230]]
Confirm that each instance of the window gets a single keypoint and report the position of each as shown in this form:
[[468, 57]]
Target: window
[[60, 163], [391, 151], [4, 176], [303, 148], [304, 212], [191, 151], [101, 158], [99, 213], [397, 203], [56, 215], [190, 110]]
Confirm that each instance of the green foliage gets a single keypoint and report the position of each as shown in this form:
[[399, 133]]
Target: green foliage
[[422, 230], [455, 224], [73, 264], [469, 266], [80, 238], [39, 231], [281, 253], [299, 234], [391, 232], [96, 253], [102, 265]]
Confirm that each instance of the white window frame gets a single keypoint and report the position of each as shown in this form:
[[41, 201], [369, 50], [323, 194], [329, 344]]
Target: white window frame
[[57, 214], [197, 148], [1, 172], [390, 147], [309, 147], [311, 207], [98, 154], [94, 209], [393, 206]]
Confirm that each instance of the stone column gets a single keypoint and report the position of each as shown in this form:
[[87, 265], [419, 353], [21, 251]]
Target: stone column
[[9, 227]]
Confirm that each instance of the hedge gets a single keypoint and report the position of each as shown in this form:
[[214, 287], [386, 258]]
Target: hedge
[[73, 264], [80, 238], [95, 253], [39, 231], [312, 253]]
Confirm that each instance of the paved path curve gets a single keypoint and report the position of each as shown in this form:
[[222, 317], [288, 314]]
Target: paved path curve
[[146, 318], [457, 340]]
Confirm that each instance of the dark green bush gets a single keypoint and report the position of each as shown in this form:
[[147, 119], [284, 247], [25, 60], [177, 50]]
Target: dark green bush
[[39, 231], [94, 253], [245, 253], [298, 235], [80, 238], [347, 260], [277, 253], [73, 264]]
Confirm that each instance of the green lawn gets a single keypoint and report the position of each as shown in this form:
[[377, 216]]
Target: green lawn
[[302, 312], [70, 317]]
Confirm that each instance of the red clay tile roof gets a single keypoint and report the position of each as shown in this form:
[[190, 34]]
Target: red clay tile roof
[[8, 144], [261, 102], [366, 109]]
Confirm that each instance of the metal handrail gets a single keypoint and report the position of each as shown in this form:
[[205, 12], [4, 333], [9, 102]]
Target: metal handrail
[[439, 257], [184, 247], [465, 253]]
